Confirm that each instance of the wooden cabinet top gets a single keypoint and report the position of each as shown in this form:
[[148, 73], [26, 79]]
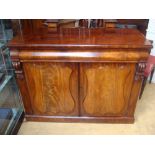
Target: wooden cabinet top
[[82, 38]]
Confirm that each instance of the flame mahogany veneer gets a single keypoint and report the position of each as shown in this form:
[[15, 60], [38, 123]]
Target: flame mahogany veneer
[[80, 75]]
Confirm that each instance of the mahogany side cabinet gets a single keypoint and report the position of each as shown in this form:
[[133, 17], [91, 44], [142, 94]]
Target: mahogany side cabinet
[[80, 74]]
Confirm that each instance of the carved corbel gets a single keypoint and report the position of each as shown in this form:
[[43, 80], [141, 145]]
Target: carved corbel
[[16, 64], [140, 70]]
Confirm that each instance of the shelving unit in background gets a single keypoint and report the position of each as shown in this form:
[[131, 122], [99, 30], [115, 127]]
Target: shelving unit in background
[[11, 109]]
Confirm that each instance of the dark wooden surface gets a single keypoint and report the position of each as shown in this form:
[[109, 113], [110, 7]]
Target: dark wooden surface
[[81, 75], [82, 38], [53, 88], [103, 85]]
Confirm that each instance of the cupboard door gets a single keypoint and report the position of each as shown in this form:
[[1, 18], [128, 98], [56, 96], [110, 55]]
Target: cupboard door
[[105, 88], [53, 88]]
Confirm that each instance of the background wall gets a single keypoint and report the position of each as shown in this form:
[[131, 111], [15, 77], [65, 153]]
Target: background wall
[[151, 35]]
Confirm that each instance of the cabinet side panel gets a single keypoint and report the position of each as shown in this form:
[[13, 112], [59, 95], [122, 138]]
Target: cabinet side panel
[[21, 81], [136, 87], [25, 95]]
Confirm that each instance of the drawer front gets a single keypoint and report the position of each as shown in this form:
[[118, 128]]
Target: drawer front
[[53, 88], [105, 88]]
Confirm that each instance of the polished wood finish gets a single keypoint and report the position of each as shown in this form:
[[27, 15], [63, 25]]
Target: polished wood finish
[[102, 85], [83, 38], [111, 119], [80, 74], [53, 88]]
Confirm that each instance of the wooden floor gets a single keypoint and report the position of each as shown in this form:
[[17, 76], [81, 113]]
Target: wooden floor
[[144, 123]]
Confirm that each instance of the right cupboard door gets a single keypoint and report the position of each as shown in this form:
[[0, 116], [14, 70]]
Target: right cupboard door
[[105, 88]]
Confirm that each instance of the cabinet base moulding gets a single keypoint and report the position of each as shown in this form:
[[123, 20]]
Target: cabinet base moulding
[[80, 119]]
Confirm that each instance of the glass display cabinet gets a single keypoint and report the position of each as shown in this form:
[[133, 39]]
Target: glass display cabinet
[[11, 110]]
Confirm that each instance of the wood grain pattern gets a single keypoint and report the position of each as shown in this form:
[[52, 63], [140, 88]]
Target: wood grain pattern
[[81, 75], [105, 88], [25, 95], [136, 87], [107, 55], [21, 81], [82, 38], [53, 88]]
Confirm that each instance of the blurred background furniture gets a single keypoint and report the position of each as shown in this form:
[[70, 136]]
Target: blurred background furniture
[[45, 25], [149, 71], [11, 108], [140, 24]]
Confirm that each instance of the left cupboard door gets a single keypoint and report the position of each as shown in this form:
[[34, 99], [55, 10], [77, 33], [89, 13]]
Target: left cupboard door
[[53, 88]]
